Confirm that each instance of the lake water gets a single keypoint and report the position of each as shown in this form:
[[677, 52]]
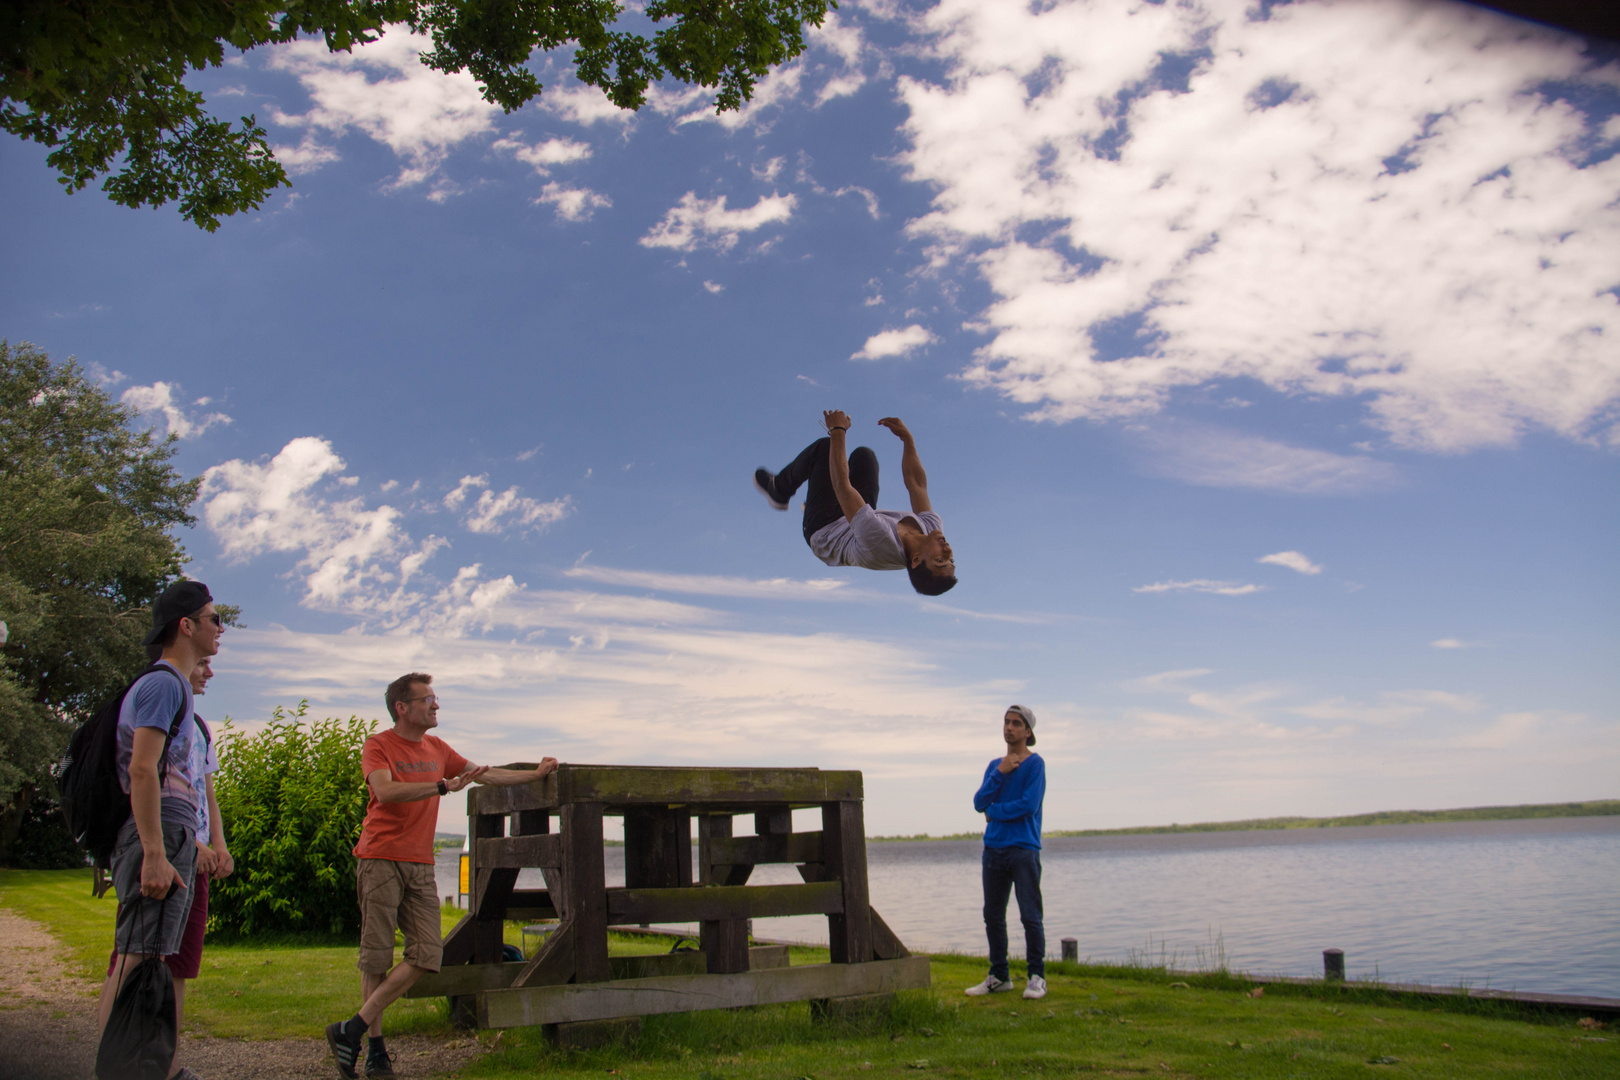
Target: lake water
[[1526, 905]]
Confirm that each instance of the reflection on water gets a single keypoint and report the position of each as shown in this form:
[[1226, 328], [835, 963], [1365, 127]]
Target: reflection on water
[[1528, 905]]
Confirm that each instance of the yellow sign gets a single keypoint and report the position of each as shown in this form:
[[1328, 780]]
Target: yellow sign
[[466, 861]]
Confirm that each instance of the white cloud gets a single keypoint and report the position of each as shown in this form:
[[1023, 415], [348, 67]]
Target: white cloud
[[1293, 560], [493, 513], [382, 90], [353, 558], [714, 287], [544, 155], [1451, 643], [159, 398], [573, 204], [497, 513], [889, 343], [458, 494], [310, 154], [694, 221], [584, 105], [866, 194], [717, 584], [1216, 457], [1367, 198], [1203, 585]]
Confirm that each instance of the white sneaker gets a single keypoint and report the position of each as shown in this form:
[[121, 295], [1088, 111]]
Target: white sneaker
[[1036, 988], [991, 985]]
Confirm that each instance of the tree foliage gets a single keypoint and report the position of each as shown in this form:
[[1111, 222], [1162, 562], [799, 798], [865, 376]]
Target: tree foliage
[[293, 799], [86, 509], [97, 80]]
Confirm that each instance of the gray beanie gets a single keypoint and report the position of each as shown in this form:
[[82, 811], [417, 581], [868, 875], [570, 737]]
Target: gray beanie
[[1029, 719]]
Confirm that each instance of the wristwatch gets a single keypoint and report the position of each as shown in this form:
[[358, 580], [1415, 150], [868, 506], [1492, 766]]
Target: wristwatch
[[444, 788]]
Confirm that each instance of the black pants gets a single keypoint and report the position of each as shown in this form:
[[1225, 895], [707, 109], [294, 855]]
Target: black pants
[[1013, 870], [821, 502]]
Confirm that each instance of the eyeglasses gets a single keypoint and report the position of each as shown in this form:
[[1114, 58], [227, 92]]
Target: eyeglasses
[[212, 616], [434, 698]]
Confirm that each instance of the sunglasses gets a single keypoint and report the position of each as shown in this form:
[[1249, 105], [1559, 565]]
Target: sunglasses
[[212, 616]]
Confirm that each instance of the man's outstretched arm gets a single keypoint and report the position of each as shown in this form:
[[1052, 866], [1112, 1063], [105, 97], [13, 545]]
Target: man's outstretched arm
[[911, 466], [508, 777], [849, 500]]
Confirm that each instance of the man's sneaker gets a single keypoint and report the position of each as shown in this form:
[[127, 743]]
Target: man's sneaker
[[991, 985], [185, 1073], [380, 1064], [345, 1049], [765, 481], [1036, 988]]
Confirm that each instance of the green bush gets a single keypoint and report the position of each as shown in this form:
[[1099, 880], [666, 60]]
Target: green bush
[[293, 799]]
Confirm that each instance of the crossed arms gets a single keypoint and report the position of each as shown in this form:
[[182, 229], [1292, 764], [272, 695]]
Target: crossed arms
[[911, 466]]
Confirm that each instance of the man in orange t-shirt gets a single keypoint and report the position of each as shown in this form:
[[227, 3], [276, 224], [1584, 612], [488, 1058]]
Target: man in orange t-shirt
[[407, 771]]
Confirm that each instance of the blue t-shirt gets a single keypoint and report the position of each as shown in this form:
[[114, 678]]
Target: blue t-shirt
[[1012, 803], [204, 762], [153, 702]]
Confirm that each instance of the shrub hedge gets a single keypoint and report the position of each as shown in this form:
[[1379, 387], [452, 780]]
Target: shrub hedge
[[293, 800]]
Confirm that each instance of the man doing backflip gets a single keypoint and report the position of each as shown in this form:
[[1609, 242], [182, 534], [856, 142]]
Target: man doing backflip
[[407, 771], [842, 523]]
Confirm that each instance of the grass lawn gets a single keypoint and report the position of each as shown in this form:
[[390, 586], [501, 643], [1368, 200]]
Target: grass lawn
[[1105, 1021]]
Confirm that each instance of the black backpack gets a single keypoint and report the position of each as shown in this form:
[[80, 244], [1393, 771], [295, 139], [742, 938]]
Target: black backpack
[[94, 802]]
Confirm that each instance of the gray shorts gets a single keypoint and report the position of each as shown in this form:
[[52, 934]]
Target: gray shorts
[[148, 927]]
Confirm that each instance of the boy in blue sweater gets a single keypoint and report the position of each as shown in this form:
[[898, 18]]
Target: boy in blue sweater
[[1010, 800]]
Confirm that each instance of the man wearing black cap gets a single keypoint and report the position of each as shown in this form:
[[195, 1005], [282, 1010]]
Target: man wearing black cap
[[155, 856]]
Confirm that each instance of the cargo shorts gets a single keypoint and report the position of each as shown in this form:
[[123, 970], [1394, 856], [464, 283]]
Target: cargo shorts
[[399, 895], [148, 927]]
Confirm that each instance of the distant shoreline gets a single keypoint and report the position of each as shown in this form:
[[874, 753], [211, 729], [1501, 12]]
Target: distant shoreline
[[1594, 808]]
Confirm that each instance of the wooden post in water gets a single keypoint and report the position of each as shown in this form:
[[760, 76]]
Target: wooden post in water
[[1071, 950], [1333, 965]]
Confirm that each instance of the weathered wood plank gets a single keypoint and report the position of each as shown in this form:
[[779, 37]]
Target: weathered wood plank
[[518, 852], [469, 979], [725, 945], [540, 795], [773, 821], [692, 993], [885, 943], [553, 962], [657, 848], [766, 957], [491, 889], [849, 934], [585, 879], [620, 786], [531, 823], [804, 847], [724, 941], [724, 902], [458, 943]]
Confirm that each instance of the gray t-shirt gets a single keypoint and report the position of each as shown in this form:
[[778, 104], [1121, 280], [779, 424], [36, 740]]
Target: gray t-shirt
[[871, 539], [153, 702]]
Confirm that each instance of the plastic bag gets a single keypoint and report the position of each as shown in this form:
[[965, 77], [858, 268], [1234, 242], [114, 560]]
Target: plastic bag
[[138, 1043]]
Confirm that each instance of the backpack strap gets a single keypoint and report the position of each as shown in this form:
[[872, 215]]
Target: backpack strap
[[174, 726]]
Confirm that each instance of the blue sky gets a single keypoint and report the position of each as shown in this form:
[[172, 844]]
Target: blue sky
[[1264, 369]]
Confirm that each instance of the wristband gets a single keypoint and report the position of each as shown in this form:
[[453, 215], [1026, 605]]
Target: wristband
[[833, 429], [444, 788]]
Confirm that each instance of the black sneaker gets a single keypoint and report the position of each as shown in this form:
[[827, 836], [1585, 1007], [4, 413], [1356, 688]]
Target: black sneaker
[[380, 1064], [765, 481], [345, 1049]]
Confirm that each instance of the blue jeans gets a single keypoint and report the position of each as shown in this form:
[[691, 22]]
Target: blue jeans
[[1016, 870]]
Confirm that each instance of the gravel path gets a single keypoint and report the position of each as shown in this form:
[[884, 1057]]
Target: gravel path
[[48, 1027]]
